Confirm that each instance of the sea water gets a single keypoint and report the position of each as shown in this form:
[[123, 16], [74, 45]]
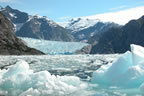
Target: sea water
[[58, 75]]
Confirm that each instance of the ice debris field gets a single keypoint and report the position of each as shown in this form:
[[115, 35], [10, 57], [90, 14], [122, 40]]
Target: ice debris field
[[20, 80], [54, 47], [123, 77]]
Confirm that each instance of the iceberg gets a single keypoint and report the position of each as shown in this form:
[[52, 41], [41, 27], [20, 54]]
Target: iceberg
[[126, 72], [20, 80]]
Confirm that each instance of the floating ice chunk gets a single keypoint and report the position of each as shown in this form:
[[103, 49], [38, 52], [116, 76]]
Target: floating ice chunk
[[110, 73], [98, 76], [137, 54], [142, 88], [20, 67], [126, 72], [20, 80], [119, 67]]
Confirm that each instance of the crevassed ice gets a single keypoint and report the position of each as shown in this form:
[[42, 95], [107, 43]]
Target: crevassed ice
[[54, 47], [20, 80], [126, 72]]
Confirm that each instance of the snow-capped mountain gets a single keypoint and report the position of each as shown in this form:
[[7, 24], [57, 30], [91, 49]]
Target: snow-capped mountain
[[78, 24], [36, 26], [85, 28], [44, 28], [17, 17]]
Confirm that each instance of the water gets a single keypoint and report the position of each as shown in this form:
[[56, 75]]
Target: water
[[81, 66], [71, 65]]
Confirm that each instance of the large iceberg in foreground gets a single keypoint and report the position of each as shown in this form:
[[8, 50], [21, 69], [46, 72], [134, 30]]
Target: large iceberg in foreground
[[126, 72], [20, 80]]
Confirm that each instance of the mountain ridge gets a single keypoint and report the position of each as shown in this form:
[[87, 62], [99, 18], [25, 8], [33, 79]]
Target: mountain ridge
[[118, 40], [84, 29], [21, 19]]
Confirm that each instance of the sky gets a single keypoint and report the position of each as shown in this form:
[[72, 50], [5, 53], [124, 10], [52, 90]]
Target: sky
[[62, 10]]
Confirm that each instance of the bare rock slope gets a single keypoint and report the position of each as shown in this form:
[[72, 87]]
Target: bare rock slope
[[9, 43]]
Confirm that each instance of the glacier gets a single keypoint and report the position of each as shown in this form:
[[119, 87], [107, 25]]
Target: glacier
[[54, 47], [127, 72]]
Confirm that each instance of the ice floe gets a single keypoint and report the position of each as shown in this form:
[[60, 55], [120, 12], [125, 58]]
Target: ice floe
[[126, 72], [20, 80]]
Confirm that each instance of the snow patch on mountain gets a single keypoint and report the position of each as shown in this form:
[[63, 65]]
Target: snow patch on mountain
[[18, 26], [78, 24], [12, 15], [50, 22]]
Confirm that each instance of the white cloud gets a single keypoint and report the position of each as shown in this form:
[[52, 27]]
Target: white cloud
[[63, 21], [118, 8], [120, 17], [65, 18]]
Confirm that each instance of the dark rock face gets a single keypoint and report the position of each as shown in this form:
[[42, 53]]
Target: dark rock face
[[9, 43], [118, 40], [43, 28], [110, 42], [14, 15], [36, 26], [84, 50]]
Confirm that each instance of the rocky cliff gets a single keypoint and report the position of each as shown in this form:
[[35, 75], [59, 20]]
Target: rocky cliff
[[118, 40], [9, 43]]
